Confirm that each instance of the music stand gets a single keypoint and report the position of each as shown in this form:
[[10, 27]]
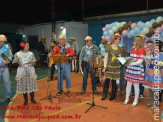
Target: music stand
[[58, 59], [93, 64]]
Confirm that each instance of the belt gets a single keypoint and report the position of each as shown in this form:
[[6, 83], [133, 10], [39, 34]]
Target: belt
[[3, 66]]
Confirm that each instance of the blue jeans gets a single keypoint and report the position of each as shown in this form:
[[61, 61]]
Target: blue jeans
[[66, 71], [122, 81], [86, 67], [4, 74]]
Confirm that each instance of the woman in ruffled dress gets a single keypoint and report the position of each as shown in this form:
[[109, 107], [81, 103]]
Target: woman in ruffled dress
[[26, 77]]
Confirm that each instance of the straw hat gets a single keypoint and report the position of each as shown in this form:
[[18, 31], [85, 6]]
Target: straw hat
[[43, 38], [61, 37], [88, 38], [72, 38], [3, 37], [143, 36]]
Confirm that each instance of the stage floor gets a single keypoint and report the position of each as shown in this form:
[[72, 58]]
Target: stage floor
[[73, 109]]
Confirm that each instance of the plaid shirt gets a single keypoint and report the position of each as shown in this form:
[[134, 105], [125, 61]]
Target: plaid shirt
[[87, 52]]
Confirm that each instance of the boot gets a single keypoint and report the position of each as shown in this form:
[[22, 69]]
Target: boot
[[25, 98], [105, 89], [114, 90], [32, 98]]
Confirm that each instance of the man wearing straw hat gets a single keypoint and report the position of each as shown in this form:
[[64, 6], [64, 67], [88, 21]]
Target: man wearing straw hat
[[84, 63], [4, 71], [63, 48]]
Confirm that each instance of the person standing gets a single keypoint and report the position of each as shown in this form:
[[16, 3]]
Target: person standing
[[112, 66], [63, 68], [84, 63], [135, 69], [52, 45], [26, 77], [42, 50], [4, 70]]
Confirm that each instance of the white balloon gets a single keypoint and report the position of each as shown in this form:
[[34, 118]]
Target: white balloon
[[148, 24], [111, 32], [160, 18], [115, 28]]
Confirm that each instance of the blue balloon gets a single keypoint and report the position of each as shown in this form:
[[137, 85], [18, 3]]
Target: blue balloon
[[142, 25], [132, 33], [152, 21], [162, 34], [101, 46], [137, 30], [129, 35], [102, 50], [106, 33]]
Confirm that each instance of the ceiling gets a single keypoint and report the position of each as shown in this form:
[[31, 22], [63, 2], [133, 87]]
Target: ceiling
[[39, 11]]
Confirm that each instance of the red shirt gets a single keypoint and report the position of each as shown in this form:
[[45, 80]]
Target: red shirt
[[69, 50]]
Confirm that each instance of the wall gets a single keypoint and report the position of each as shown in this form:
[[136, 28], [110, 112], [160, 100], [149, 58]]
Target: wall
[[75, 29]]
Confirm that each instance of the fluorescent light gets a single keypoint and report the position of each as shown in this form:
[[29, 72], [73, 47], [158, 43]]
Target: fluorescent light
[[61, 27]]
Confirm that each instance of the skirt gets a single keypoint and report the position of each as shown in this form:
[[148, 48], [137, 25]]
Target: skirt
[[135, 74], [153, 80], [26, 84]]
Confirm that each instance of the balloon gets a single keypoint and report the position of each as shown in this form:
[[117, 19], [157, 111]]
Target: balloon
[[108, 38], [148, 35], [129, 24], [107, 26], [162, 34], [108, 42], [104, 29], [122, 23], [102, 49], [103, 37], [115, 28], [146, 30], [124, 33], [162, 28], [155, 25], [111, 33], [132, 33], [120, 30], [125, 27], [137, 30], [152, 21], [101, 45], [148, 24], [158, 30], [103, 42], [142, 25], [151, 31], [138, 24], [129, 35], [160, 18], [133, 25], [106, 33], [118, 25], [160, 23]]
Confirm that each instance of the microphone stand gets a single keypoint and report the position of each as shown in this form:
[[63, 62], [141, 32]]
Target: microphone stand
[[49, 96], [93, 102]]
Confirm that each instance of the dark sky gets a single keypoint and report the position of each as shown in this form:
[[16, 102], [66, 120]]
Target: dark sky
[[39, 11]]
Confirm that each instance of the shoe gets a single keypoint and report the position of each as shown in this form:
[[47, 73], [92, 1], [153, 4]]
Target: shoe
[[141, 96], [134, 103], [69, 92], [32, 98], [59, 93], [25, 99], [132, 94], [105, 89], [126, 101], [82, 92], [10, 99], [96, 92]]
